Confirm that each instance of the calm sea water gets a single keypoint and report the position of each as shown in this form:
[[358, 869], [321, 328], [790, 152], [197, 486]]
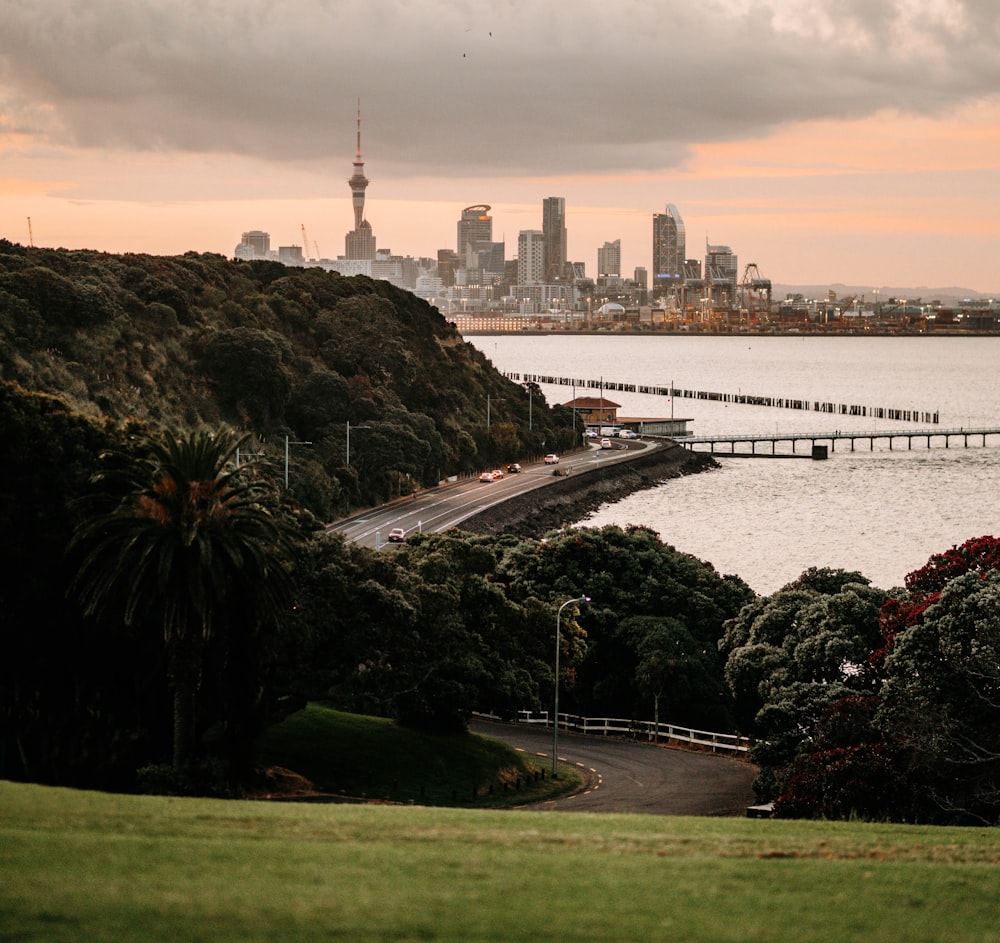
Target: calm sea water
[[883, 512]]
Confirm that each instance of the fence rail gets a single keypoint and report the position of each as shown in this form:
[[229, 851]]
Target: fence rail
[[639, 729]]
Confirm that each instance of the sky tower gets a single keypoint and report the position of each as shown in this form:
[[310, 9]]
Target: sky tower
[[360, 241], [358, 181]]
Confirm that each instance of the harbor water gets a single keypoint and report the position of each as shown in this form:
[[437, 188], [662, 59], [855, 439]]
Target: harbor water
[[882, 512]]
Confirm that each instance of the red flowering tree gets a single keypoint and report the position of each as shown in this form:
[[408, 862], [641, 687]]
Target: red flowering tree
[[925, 743]]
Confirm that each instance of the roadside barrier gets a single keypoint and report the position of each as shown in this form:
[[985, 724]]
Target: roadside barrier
[[640, 729]]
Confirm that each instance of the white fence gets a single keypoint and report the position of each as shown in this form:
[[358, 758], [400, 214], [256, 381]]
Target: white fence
[[639, 729]]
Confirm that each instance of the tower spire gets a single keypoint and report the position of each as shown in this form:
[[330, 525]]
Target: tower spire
[[358, 180]]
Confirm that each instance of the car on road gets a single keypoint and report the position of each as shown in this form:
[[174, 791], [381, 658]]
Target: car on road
[[551, 459], [606, 444], [592, 433], [497, 474], [513, 468], [486, 476], [627, 434], [397, 535]]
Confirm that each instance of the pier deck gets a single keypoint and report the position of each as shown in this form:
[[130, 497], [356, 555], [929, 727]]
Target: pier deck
[[813, 438]]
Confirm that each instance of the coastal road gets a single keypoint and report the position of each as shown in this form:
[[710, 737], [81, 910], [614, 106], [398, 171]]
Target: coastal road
[[439, 509], [636, 777]]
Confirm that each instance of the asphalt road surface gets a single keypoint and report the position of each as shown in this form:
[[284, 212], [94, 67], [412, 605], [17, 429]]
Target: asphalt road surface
[[636, 777], [439, 509]]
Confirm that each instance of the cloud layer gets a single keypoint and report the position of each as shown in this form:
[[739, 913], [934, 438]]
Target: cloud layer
[[534, 88]]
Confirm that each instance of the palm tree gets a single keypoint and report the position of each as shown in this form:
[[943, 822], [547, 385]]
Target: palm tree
[[191, 545]]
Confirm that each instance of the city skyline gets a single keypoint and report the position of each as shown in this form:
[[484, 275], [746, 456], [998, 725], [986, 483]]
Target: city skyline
[[822, 141]]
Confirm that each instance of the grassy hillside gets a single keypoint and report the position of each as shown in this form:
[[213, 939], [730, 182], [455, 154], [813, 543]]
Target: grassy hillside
[[280, 352], [89, 866], [371, 757]]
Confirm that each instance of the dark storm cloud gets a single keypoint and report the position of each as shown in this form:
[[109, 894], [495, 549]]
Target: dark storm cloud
[[471, 88]]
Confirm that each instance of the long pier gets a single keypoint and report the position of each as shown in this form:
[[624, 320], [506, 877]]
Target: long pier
[[746, 399], [814, 438]]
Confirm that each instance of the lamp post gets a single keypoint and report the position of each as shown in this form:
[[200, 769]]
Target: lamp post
[[555, 705], [499, 399]]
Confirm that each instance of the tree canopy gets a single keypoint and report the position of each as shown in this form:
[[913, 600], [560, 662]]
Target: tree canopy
[[871, 706], [195, 340]]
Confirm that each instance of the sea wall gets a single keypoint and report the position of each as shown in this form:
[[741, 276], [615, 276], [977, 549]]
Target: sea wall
[[570, 497]]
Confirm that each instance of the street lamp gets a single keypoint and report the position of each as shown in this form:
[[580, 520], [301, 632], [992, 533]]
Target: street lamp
[[555, 706], [499, 399]]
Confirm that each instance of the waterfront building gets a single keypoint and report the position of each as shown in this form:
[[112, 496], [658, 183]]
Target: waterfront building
[[554, 235]]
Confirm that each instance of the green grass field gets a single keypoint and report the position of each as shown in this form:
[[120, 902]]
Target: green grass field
[[84, 866]]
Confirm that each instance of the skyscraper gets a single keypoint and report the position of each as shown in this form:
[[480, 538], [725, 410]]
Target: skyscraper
[[721, 266], [609, 258], [669, 247], [530, 257], [554, 236], [360, 241], [475, 225]]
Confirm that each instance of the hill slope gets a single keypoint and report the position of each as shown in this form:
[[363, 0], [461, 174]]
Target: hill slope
[[280, 352]]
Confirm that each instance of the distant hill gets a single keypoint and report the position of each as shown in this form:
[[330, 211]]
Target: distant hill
[[289, 354], [947, 296]]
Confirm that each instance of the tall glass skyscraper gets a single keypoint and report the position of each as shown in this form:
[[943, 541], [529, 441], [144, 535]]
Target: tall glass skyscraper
[[669, 247]]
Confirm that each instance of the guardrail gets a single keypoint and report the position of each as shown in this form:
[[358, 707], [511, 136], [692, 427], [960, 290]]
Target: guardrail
[[639, 729]]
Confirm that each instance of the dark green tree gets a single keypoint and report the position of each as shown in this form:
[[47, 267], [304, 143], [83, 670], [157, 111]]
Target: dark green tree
[[941, 702], [631, 574], [191, 546]]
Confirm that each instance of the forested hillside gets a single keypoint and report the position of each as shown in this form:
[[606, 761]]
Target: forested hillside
[[196, 339]]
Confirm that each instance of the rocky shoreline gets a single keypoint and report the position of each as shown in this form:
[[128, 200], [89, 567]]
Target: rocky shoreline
[[575, 495]]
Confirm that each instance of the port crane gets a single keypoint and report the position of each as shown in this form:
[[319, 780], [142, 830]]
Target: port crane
[[755, 294]]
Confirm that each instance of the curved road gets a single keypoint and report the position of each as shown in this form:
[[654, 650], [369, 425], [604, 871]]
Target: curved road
[[441, 508], [636, 777]]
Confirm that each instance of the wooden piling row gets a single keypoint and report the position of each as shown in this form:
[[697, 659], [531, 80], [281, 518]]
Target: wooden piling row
[[745, 399]]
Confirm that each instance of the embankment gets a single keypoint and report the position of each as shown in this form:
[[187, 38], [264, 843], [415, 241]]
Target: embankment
[[570, 497]]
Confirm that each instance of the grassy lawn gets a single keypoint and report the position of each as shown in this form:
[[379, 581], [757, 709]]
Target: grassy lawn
[[369, 757], [90, 866]]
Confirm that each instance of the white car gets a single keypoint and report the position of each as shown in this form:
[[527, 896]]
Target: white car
[[551, 459], [486, 476], [627, 434], [397, 535], [605, 443]]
